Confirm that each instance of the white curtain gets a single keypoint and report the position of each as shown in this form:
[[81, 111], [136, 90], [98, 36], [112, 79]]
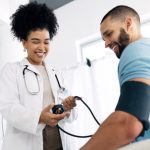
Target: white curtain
[[99, 87]]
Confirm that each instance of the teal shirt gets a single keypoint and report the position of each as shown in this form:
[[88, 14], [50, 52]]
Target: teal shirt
[[135, 63]]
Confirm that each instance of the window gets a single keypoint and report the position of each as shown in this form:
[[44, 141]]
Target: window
[[94, 47], [93, 50], [145, 29]]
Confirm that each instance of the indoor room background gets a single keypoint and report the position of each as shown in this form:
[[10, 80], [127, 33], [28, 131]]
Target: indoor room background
[[77, 52]]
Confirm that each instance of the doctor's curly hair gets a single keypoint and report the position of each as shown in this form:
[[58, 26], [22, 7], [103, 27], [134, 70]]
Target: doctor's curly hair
[[31, 17]]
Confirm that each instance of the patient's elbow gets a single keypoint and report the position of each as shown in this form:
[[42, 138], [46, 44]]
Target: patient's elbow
[[133, 128]]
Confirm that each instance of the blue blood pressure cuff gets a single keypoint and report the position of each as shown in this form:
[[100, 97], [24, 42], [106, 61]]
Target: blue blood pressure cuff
[[135, 100]]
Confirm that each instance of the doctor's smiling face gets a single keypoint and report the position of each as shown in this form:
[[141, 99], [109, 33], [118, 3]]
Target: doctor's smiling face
[[37, 45]]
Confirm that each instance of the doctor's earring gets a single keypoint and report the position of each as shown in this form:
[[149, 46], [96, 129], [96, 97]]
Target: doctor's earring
[[25, 50]]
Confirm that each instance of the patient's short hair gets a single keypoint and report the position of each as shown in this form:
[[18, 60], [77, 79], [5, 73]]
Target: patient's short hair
[[120, 12]]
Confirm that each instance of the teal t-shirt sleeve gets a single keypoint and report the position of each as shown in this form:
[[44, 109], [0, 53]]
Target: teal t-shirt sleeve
[[135, 61]]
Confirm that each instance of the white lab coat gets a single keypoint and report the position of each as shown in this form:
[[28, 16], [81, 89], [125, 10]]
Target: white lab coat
[[22, 110]]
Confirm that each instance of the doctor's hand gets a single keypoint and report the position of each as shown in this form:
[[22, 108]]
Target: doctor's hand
[[69, 103], [47, 117]]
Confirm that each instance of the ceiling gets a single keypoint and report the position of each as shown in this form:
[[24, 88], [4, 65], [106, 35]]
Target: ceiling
[[53, 4]]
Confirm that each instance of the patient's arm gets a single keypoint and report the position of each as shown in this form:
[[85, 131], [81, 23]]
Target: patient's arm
[[119, 129]]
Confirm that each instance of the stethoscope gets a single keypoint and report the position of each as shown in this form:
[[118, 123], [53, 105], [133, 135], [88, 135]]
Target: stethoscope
[[24, 77], [61, 89]]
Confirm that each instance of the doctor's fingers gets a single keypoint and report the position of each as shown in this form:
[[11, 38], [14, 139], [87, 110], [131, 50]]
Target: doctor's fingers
[[69, 101], [55, 118], [48, 108], [68, 106], [59, 117]]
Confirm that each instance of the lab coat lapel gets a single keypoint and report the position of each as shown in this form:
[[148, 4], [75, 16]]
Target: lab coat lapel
[[25, 62], [52, 79]]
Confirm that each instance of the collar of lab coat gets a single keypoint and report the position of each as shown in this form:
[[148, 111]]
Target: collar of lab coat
[[49, 71], [25, 62]]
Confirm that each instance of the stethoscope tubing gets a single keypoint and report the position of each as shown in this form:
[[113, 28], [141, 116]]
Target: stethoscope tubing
[[36, 75]]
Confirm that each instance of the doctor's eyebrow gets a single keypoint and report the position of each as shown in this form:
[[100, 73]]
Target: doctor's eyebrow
[[36, 39]]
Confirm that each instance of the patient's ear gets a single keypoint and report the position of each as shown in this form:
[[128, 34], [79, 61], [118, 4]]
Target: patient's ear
[[128, 23]]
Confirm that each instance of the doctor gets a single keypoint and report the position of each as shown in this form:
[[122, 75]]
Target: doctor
[[28, 89]]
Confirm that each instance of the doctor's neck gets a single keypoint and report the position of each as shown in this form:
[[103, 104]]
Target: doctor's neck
[[36, 63]]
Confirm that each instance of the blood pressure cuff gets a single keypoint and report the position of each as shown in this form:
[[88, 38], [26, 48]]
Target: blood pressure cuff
[[135, 100]]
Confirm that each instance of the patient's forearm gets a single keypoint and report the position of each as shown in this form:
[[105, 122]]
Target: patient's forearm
[[119, 129]]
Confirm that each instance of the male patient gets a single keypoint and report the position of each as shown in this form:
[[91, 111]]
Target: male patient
[[120, 29]]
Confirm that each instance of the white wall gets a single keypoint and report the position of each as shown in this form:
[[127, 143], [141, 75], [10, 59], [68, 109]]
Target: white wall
[[10, 49], [80, 19], [4, 10]]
